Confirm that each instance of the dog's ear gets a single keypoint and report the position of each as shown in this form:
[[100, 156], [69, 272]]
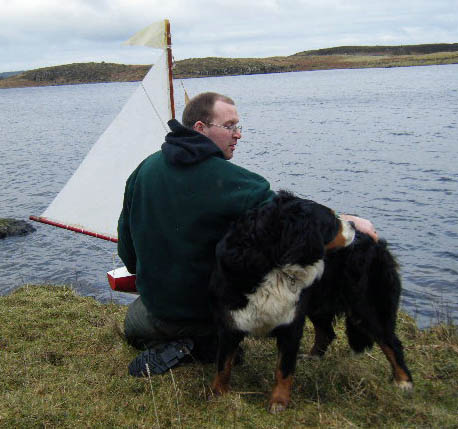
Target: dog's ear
[[324, 218], [240, 253], [306, 228], [301, 240]]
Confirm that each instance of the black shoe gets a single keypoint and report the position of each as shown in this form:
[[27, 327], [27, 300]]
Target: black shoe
[[160, 358]]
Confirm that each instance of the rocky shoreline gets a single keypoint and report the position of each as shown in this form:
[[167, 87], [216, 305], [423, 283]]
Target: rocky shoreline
[[10, 227], [344, 57]]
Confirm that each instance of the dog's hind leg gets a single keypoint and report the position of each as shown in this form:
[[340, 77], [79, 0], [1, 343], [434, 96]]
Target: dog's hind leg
[[288, 339], [358, 339], [324, 334], [393, 352], [227, 350]]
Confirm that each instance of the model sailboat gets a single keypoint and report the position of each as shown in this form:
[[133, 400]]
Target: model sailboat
[[91, 201]]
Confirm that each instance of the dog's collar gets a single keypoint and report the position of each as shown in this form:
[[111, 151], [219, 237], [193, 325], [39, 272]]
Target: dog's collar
[[292, 280]]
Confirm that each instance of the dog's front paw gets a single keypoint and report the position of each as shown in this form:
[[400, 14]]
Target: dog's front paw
[[406, 386], [277, 407], [218, 389], [308, 356]]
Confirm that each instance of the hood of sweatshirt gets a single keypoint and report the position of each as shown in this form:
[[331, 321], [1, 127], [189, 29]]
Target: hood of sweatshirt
[[184, 146]]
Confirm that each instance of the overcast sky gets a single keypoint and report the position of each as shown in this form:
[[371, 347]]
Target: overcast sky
[[39, 33]]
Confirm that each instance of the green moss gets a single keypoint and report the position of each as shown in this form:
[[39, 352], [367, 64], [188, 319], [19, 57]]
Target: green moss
[[10, 226]]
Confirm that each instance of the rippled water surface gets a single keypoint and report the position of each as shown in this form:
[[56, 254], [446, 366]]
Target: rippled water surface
[[380, 143]]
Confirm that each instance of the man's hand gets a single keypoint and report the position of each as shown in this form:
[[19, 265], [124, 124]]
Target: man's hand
[[362, 225]]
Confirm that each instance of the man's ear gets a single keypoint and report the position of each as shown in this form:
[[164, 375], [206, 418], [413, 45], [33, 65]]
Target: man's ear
[[199, 126]]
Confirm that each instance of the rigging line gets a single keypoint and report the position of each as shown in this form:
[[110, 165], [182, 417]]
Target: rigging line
[[186, 96], [154, 108]]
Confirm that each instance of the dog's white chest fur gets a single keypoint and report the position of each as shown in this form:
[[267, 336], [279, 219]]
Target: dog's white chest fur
[[274, 301]]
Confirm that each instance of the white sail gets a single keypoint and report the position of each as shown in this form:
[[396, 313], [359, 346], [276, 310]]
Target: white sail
[[91, 201]]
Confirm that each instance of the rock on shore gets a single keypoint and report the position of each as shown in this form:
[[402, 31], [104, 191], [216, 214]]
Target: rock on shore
[[9, 227]]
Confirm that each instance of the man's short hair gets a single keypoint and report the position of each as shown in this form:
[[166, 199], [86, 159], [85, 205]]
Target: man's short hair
[[200, 108]]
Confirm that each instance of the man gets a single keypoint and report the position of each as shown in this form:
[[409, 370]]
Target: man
[[178, 204]]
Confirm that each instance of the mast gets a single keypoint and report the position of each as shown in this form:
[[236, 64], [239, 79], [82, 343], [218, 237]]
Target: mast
[[170, 63]]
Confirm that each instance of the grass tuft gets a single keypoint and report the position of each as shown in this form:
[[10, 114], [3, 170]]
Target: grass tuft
[[64, 365]]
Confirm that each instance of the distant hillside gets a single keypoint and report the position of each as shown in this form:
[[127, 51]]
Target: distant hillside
[[77, 73], [4, 75], [323, 59], [385, 50], [342, 57]]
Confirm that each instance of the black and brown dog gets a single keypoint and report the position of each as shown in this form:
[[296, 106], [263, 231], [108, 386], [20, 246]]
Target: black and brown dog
[[272, 265], [265, 262]]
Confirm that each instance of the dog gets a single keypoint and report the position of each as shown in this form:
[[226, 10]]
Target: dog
[[361, 283], [265, 264]]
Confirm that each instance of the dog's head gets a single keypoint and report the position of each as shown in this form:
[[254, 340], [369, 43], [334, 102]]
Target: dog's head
[[309, 229], [288, 230], [335, 232]]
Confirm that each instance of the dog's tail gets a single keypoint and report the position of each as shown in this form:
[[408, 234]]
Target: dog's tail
[[358, 337], [385, 285], [383, 290]]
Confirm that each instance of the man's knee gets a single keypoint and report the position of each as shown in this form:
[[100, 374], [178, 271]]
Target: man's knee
[[138, 326], [142, 330]]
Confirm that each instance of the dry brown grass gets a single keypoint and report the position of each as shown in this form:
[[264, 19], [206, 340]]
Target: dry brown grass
[[64, 365]]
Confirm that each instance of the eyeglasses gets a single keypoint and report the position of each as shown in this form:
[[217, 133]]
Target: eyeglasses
[[232, 128]]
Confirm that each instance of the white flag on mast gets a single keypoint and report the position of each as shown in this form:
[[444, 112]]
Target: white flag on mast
[[154, 36]]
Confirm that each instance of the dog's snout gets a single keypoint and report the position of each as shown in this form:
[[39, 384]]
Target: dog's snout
[[348, 231], [344, 237]]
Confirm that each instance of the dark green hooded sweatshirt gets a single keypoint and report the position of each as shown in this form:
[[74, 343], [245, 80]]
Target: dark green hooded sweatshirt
[[178, 204]]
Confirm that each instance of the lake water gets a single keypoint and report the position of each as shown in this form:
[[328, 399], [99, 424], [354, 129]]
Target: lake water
[[381, 143]]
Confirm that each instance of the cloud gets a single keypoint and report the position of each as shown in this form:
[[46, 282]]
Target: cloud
[[49, 32]]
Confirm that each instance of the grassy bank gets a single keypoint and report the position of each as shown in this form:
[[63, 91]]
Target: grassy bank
[[345, 57], [204, 67], [64, 365]]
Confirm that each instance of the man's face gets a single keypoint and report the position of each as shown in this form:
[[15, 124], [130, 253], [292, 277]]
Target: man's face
[[226, 115]]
